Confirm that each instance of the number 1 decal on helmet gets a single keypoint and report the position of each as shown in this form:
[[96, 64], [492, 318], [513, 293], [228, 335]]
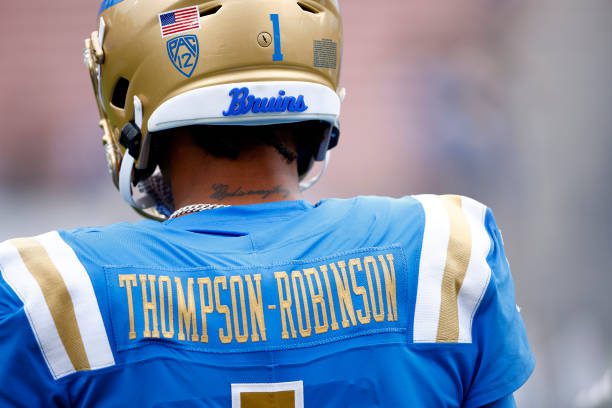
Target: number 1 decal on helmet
[[278, 54]]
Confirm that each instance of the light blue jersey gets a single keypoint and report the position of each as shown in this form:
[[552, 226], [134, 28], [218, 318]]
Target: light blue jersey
[[367, 302]]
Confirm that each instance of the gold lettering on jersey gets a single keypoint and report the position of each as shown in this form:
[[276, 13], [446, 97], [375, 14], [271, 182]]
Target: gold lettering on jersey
[[344, 294], [390, 287], [127, 282], [330, 298], [256, 307], [284, 296], [370, 266], [187, 317], [362, 315], [149, 305], [318, 300], [300, 301], [166, 307], [224, 335], [235, 308], [206, 305], [242, 336]]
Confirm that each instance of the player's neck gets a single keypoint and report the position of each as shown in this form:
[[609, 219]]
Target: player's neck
[[257, 177]]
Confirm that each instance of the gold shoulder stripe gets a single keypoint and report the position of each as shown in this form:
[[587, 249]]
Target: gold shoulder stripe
[[457, 260], [57, 297]]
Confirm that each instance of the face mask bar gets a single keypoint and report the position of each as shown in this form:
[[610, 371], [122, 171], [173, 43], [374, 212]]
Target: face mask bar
[[93, 56]]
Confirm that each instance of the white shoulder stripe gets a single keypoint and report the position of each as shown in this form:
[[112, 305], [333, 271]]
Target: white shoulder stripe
[[478, 272], [431, 269], [84, 300], [17, 276], [59, 301], [453, 270]]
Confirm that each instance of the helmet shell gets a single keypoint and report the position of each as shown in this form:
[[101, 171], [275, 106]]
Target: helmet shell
[[230, 51]]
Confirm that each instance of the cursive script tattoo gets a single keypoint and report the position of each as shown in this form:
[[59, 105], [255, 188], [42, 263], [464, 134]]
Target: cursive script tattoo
[[222, 191]]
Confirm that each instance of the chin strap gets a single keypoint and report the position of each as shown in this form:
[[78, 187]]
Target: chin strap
[[306, 184], [329, 141], [125, 185], [127, 168]]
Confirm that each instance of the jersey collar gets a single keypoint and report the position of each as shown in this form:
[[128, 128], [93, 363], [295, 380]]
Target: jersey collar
[[242, 218]]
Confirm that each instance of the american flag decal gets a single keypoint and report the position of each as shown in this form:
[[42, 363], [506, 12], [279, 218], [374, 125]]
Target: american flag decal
[[179, 21]]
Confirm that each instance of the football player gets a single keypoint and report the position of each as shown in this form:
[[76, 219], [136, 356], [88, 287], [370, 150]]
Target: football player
[[238, 293]]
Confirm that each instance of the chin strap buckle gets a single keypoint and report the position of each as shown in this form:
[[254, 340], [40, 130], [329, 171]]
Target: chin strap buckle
[[131, 139]]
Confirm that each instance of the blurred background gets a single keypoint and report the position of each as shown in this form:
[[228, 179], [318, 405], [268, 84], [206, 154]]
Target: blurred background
[[507, 101]]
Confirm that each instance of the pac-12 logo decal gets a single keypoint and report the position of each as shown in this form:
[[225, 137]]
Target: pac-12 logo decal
[[184, 52]]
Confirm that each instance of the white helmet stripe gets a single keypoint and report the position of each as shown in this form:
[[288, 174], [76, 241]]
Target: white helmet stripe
[[206, 106]]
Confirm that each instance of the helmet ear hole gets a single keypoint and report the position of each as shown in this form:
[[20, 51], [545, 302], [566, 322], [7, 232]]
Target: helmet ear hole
[[210, 10], [120, 93], [308, 8]]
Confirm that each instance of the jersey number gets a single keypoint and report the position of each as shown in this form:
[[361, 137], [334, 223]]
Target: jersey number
[[271, 395]]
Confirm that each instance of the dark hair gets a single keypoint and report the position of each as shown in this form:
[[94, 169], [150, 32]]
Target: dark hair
[[293, 141], [231, 141]]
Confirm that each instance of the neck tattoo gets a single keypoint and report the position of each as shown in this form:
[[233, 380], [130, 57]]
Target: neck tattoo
[[223, 191]]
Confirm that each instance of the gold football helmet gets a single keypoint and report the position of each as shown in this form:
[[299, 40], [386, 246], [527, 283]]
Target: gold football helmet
[[161, 64]]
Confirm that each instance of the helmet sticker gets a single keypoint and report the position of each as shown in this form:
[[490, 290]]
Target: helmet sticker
[[184, 53], [179, 21], [278, 54], [325, 54], [243, 103], [106, 4]]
